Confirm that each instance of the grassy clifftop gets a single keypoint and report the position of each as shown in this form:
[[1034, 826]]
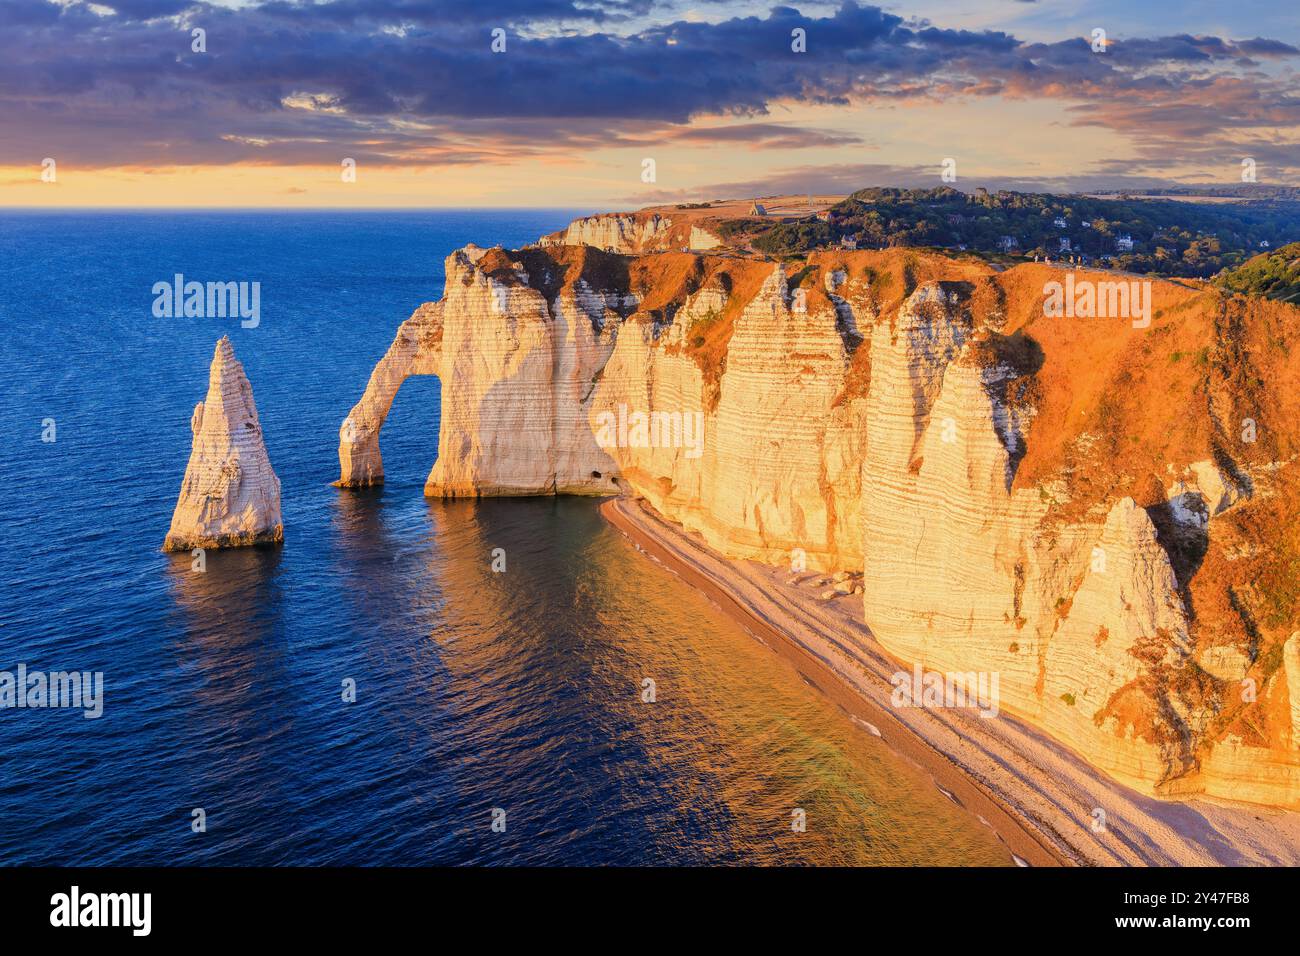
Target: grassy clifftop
[[1273, 275]]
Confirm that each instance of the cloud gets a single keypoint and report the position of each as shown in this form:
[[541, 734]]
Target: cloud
[[755, 136], [353, 13], [415, 82], [145, 9]]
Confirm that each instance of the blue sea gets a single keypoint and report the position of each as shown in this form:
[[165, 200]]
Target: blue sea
[[475, 692]]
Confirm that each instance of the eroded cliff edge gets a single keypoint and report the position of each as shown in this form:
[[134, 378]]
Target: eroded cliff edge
[[1106, 516]]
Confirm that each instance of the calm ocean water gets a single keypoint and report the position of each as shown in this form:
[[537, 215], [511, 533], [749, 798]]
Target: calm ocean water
[[475, 690]]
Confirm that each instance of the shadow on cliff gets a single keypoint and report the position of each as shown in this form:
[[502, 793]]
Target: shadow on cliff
[[1018, 391]]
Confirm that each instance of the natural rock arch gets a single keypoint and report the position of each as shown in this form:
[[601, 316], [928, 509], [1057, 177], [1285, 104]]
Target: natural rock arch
[[517, 370], [416, 350]]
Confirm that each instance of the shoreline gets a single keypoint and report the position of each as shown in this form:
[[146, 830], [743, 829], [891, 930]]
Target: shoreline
[[1039, 797]]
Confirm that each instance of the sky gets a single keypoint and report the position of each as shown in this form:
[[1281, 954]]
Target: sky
[[617, 104]]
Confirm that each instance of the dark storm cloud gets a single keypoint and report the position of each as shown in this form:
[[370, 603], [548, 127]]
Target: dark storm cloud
[[350, 12], [434, 12], [415, 81]]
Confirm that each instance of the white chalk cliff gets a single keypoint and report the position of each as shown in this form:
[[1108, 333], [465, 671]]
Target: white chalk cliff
[[619, 232], [230, 495], [916, 418], [634, 234]]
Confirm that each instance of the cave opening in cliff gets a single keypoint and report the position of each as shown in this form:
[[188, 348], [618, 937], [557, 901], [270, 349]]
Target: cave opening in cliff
[[409, 439]]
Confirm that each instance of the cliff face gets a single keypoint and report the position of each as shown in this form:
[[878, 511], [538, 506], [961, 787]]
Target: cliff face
[[1068, 503], [229, 496], [964, 573], [634, 233], [619, 232], [574, 371]]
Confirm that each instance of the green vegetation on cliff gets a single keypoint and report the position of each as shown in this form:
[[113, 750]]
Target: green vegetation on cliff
[[1274, 275], [1156, 236]]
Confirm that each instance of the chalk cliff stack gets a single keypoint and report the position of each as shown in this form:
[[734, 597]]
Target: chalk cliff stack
[[229, 496], [1076, 504]]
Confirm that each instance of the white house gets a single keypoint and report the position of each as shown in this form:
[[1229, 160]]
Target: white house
[[1124, 243]]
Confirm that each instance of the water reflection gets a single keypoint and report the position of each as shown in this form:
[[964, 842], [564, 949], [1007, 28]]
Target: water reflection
[[550, 657], [230, 613], [523, 691], [232, 724]]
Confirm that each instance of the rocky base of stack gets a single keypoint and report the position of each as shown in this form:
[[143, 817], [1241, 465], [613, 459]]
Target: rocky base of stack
[[269, 538]]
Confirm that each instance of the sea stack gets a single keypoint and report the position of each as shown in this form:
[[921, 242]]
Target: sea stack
[[230, 496]]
